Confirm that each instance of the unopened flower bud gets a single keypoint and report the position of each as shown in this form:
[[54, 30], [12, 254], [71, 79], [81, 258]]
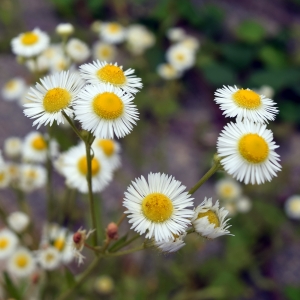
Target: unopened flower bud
[[112, 231], [35, 278]]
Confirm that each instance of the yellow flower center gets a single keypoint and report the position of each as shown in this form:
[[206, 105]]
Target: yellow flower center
[[56, 99], [227, 191], [31, 174], [105, 52], [180, 57], [108, 106], [114, 27], [107, 146], [39, 143], [4, 242], [2, 176], [83, 168], [59, 244], [212, 217], [29, 38], [112, 74], [247, 99], [157, 207], [22, 261], [253, 148], [49, 257], [295, 206], [11, 85]]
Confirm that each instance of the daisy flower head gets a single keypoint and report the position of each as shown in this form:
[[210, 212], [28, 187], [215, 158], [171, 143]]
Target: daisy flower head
[[18, 221], [41, 64], [21, 263], [191, 43], [292, 207], [75, 169], [209, 220], [64, 29], [104, 51], [105, 111], [102, 72], [5, 178], [8, 243], [12, 147], [245, 104], [247, 152], [13, 89], [78, 50], [168, 72], [176, 34], [55, 94], [30, 43], [243, 204], [158, 207], [32, 177], [173, 245], [112, 32], [49, 258], [180, 57], [228, 189], [111, 150]]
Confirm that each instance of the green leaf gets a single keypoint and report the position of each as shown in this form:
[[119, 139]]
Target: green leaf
[[292, 293], [12, 290], [70, 279], [289, 111], [117, 245], [250, 31], [272, 57]]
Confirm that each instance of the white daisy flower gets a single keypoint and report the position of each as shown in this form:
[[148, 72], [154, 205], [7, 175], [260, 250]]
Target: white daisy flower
[[18, 221], [95, 26], [8, 243], [32, 177], [49, 258], [176, 34], [75, 169], [180, 57], [158, 207], [104, 285], [173, 245], [12, 147], [106, 111], [111, 150], [168, 72], [64, 29], [247, 151], [191, 43], [14, 171], [30, 43], [266, 90], [243, 205], [231, 207], [102, 72], [112, 32], [209, 220], [78, 50], [104, 51], [56, 94], [245, 104], [41, 64], [228, 189], [5, 178], [292, 207], [21, 263], [13, 89], [60, 63]]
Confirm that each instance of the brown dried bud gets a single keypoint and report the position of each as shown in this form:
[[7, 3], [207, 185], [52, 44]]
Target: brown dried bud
[[77, 237], [35, 277], [112, 231]]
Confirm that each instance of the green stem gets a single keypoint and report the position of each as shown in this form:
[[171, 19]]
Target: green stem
[[49, 179], [141, 247], [66, 295], [126, 243], [72, 125], [216, 166]]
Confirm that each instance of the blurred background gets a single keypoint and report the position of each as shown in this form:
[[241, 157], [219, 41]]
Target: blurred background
[[250, 44]]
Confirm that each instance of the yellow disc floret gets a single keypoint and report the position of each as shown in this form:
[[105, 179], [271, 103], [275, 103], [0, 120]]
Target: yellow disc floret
[[39, 143], [227, 191], [49, 257], [253, 148], [22, 260], [212, 217], [4, 242], [112, 74], [114, 27], [2, 176], [247, 99], [83, 168], [108, 106], [11, 85], [59, 244], [107, 146], [105, 51], [157, 207], [56, 99], [29, 38]]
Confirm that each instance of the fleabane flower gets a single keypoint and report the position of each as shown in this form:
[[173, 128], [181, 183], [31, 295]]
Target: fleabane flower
[[18, 221], [31, 177], [247, 151], [5, 178], [292, 207], [102, 72], [228, 189], [75, 169], [78, 50], [168, 72], [158, 207], [245, 104], [64, 29], [111, 150], [12, 147], [8, 243], [104, 51], [243, 204], [112, 32], [21, 263], [30, 43], [55, 94], [105, 111], [173, 245], [49, 258], [209, 220], [13, 89]]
